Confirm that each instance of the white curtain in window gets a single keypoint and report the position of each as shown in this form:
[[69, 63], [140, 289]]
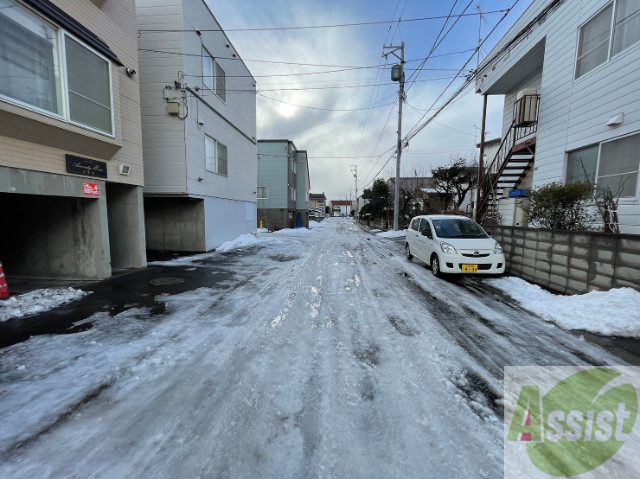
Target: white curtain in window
[[593, 48], [89, 87], [627, 29], [210, 154], [619, 163], [207, 69], [29, 68]]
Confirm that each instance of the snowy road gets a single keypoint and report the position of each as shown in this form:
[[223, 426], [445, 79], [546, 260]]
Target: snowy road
[[328, 355]]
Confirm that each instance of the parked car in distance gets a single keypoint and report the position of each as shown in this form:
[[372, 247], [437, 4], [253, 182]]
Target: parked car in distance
[[453, 244]]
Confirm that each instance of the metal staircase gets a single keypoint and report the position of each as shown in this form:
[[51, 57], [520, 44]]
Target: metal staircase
[[512, 161]]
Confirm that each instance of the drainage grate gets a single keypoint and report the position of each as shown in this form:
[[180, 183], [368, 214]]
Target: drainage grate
[[166, 281]]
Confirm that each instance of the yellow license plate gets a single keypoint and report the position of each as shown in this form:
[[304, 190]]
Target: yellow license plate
[[469, 268]]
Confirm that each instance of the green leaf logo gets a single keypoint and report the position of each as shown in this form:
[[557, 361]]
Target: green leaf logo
[[585, 423]]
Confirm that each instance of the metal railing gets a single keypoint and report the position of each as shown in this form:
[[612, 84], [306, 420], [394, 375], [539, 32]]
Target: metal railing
[[523, 127]]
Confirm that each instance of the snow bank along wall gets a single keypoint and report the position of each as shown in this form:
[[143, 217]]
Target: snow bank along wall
[[570, 262]]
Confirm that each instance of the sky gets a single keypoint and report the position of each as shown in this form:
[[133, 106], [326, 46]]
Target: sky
[[329, 89]]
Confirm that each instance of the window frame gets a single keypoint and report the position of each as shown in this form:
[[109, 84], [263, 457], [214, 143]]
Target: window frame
[[265, 195], [62, 82], [66, 90], [623, 199], [216, 160], [213, 75], [612, 33]]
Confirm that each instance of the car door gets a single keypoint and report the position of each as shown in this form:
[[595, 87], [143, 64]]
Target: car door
[[425, 240], [413, 235]]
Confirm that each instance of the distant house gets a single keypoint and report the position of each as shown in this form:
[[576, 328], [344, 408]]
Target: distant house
[[341, 208], [317, 205], [198, 128], [418, 195], [568, 71], [283, 185]]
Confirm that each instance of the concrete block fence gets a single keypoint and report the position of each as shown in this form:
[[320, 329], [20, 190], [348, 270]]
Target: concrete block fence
[[570, 262]]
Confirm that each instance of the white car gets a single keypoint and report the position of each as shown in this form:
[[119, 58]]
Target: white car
[[453, 244]]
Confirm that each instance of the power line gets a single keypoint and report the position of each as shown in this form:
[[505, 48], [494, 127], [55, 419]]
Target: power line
[[324, 109], [310, 27], [418, 128], [279, 62]]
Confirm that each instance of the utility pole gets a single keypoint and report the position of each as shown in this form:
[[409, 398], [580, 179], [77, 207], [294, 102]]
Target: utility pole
[[397, 74], [355, 175]]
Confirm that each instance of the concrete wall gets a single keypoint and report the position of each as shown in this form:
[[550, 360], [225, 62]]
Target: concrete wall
[[52, 230], [53, 237], [570, 262], [175, 224], [125, 211], [275, 219]]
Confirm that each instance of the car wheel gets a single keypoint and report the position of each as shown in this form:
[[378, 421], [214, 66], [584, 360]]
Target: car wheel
[[435, 265], [407, 252]]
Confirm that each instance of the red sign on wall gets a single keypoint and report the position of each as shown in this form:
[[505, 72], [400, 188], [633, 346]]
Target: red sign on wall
[[91, 189]]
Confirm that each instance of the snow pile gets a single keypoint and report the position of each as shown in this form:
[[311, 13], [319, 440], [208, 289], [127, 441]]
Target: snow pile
[[37, 302], [241, 241], [393, 234], [375, 231], [262, 230], [610, 313]]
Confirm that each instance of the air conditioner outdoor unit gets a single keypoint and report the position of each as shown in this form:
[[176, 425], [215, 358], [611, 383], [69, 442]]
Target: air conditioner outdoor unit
[[526, 91]]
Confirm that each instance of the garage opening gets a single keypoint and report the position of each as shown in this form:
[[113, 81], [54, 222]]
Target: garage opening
[[51, 237]]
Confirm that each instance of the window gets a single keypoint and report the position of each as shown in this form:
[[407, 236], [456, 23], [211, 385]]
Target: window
[[213, 76], [32, 70], [627, 27], [618, 169], [215, 156], [597, 41], [89, 87], [613, 164], [415, 223], [263, 192], [593, 45], [582, 165]]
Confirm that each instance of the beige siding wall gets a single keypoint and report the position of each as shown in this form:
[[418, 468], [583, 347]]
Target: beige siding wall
[[163, 135], [37, 142]]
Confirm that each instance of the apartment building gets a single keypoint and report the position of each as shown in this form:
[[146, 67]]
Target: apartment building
[[283, 185], [198, 129], [71, 170], [569, 72]]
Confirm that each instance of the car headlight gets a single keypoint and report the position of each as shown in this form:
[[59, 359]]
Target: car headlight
[[497, 249], [447, 248]]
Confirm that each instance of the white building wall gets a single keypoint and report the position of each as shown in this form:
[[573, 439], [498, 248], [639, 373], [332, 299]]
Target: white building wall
[[227, 219], [175, 145], [574, 112]]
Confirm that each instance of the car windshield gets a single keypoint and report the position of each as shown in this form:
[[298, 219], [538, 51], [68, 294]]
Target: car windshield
[[458, 228]]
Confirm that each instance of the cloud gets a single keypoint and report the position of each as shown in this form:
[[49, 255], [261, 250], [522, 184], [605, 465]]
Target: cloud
[[333, 138]]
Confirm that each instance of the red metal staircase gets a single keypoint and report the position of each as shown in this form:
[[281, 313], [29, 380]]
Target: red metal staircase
[[513, 159]]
